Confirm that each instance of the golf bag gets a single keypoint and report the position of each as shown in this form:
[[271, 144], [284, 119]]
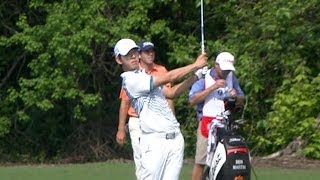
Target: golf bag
[[228, 156], [235, 160]]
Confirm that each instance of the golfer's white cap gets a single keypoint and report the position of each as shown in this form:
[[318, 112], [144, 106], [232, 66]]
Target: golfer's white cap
[[123, 46], [225, 61]]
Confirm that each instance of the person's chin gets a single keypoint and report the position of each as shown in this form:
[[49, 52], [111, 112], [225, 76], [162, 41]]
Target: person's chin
[[135, 63], [135, 66]]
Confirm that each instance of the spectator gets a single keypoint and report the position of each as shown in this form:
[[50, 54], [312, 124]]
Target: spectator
[[208, 95]]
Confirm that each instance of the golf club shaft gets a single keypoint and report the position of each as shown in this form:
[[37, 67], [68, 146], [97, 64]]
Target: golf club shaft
[[202, 36], [202, 28]]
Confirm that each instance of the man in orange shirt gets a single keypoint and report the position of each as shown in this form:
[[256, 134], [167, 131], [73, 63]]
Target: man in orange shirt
[[147, 57]]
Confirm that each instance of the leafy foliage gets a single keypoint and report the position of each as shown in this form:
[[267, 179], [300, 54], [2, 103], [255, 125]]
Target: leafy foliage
[[59, 83], [296, 106], [273, 47]]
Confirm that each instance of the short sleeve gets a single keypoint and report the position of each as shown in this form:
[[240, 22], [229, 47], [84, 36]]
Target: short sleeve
[[137, 83], [198, 86], [237, 87]]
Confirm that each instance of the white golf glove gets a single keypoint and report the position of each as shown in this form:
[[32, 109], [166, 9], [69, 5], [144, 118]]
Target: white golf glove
[[200, 73]]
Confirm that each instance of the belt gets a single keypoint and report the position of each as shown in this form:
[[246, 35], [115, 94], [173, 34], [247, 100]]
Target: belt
[[170, 135]]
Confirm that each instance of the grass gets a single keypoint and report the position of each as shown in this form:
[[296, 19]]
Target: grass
[[125, 171]]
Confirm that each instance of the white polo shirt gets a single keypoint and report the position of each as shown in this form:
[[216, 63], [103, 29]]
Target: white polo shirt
[[149, 103]]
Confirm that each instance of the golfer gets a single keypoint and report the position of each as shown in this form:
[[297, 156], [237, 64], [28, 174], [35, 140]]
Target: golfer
[[147, 58], [161, 142]]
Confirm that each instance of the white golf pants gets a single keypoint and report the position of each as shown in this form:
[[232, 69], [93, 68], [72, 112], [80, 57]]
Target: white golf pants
[[135, 133], [161, 156]]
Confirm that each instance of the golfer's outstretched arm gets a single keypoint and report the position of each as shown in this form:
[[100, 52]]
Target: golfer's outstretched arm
[[178, 89], [179, 73]]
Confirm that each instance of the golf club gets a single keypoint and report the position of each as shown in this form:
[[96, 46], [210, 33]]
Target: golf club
[[202, 33], [202, 28]]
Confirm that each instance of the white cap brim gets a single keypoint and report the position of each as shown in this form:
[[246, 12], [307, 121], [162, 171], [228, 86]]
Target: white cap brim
[[227, 66]]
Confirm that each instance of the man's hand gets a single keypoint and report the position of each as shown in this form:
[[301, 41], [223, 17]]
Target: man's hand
[[220, 83], [121, 136], [233, 92], [201, 61]]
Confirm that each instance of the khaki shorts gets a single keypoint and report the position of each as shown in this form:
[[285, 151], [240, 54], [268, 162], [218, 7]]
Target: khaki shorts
[[201, 147]]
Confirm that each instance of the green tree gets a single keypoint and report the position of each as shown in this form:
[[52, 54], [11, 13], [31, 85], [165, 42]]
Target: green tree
[[59, 83], [276, 43]]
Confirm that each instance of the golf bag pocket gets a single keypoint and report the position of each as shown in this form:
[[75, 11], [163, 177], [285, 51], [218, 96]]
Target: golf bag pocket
[[237, 165]]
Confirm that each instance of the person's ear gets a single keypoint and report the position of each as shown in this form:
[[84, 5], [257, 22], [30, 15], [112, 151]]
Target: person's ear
[[118, 59]]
